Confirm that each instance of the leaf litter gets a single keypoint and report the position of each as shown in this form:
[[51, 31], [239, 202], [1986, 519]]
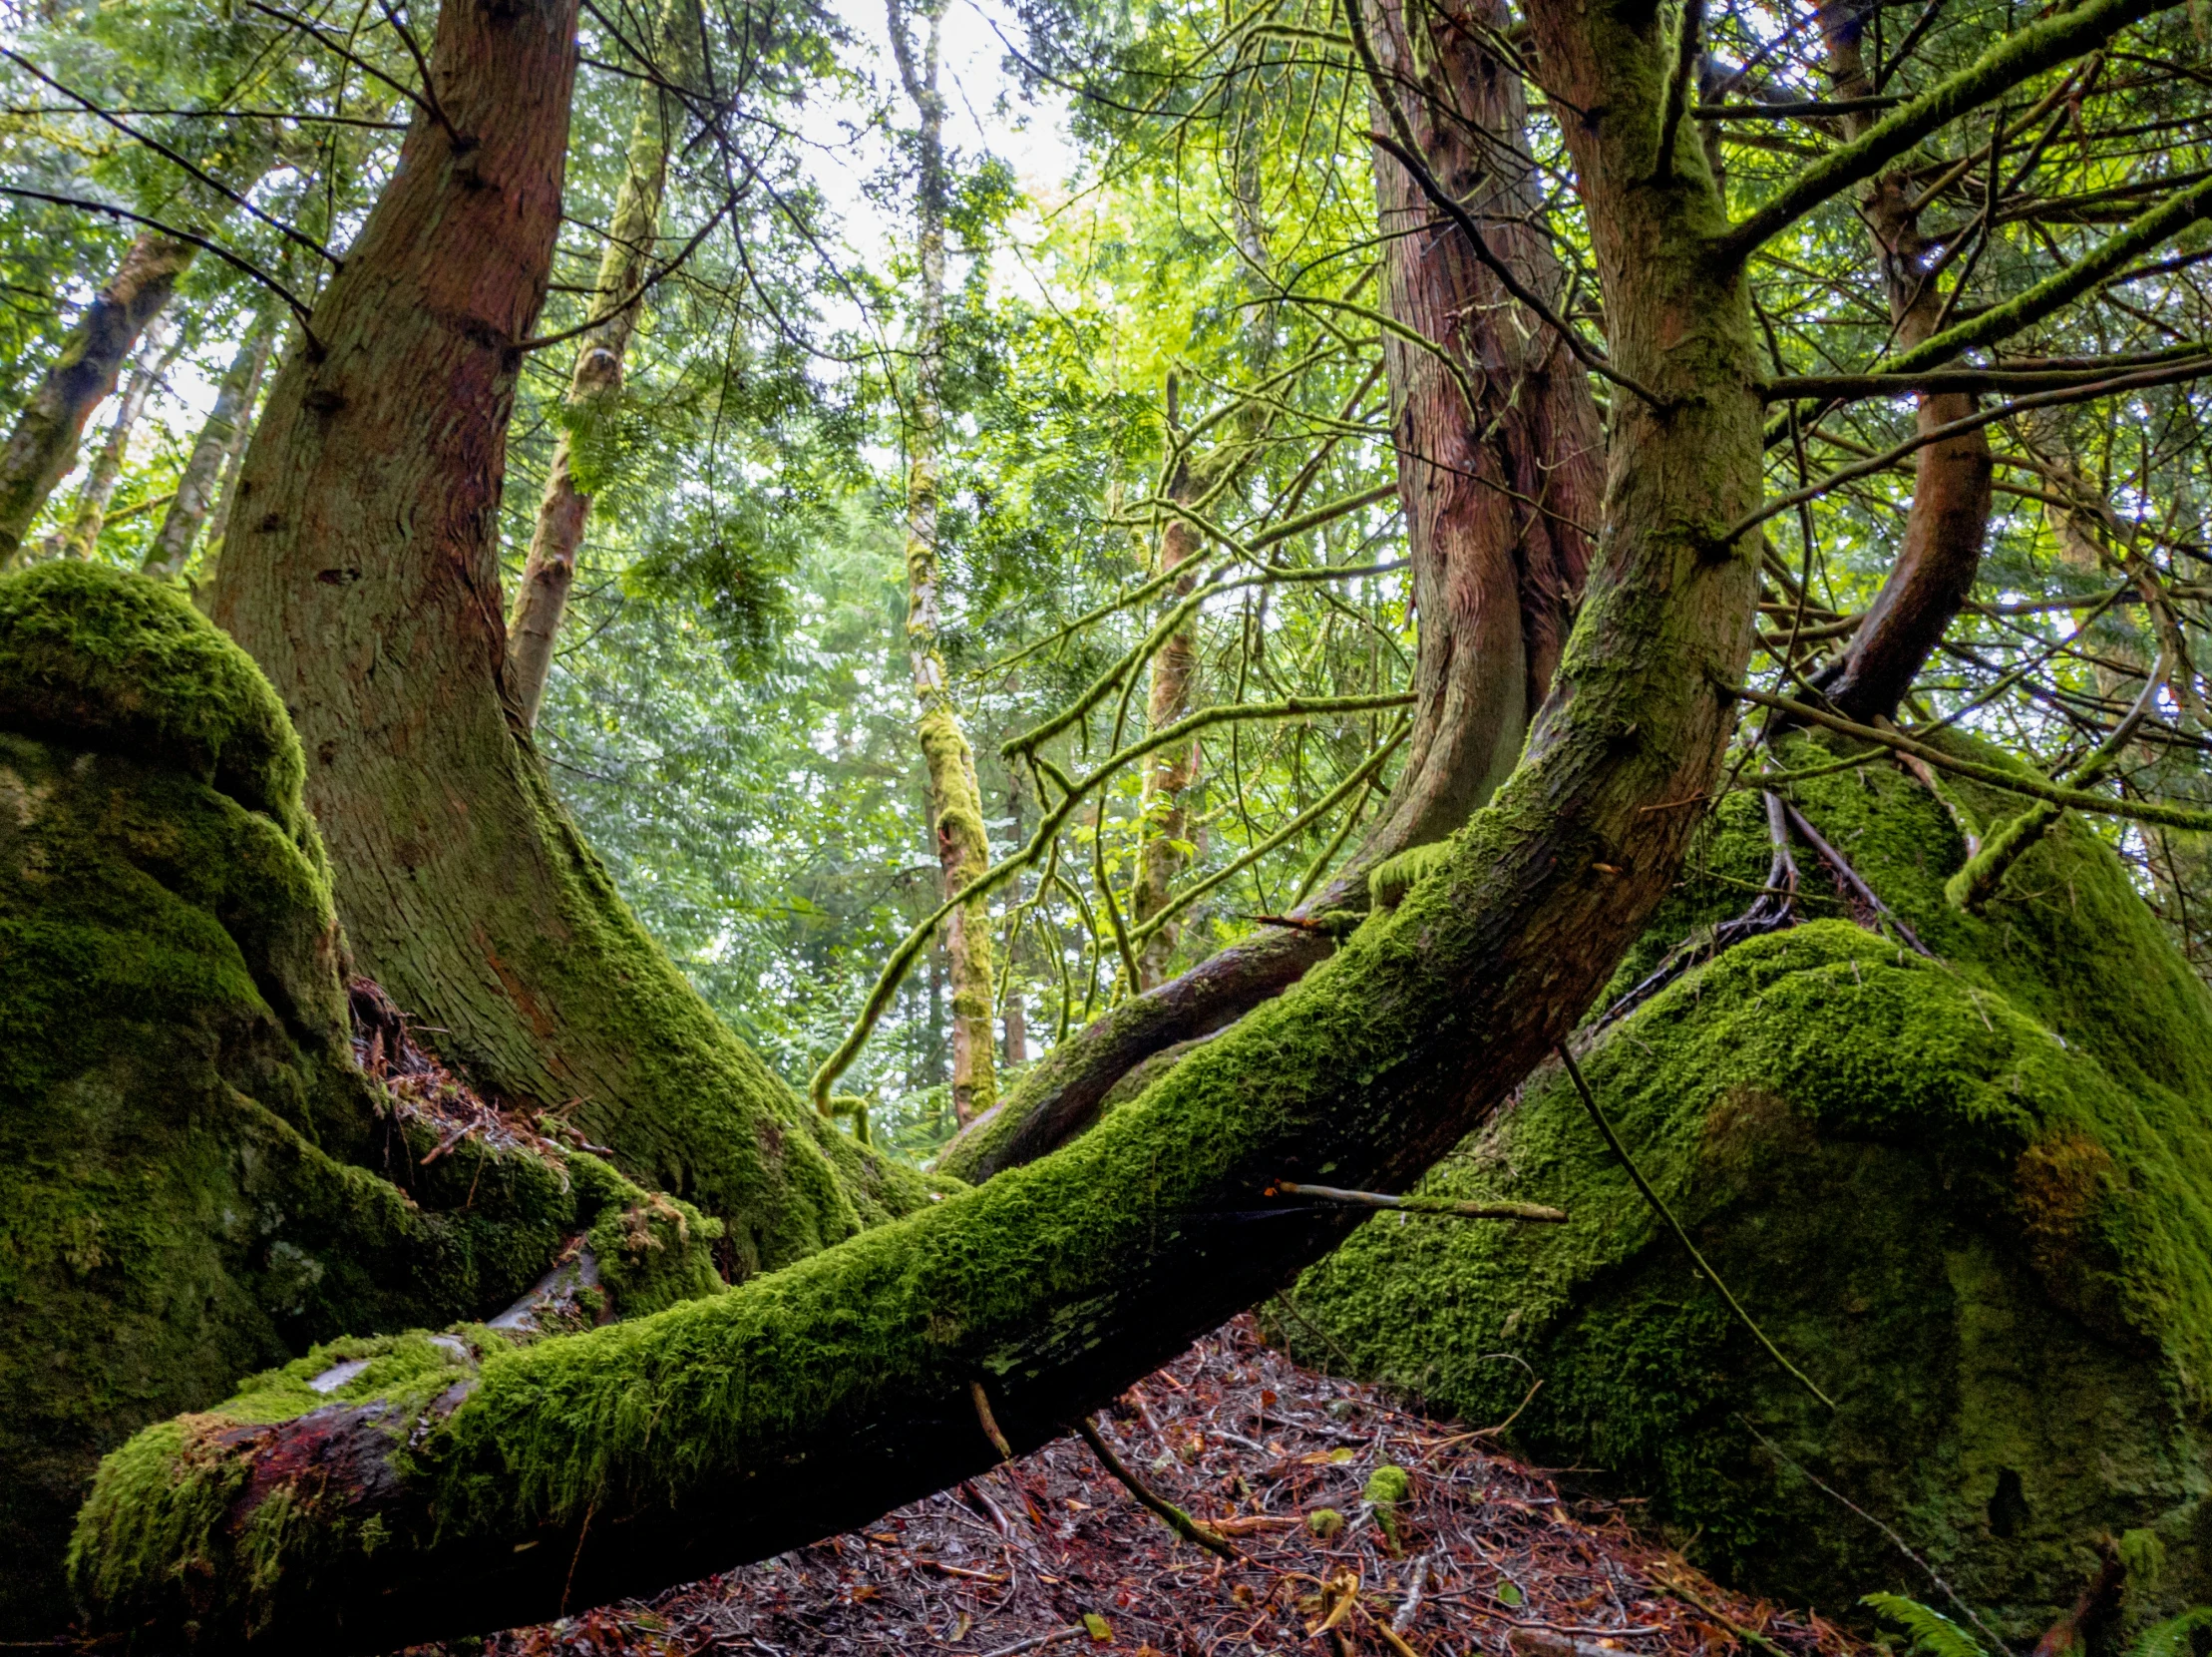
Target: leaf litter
[[1048, 1553]]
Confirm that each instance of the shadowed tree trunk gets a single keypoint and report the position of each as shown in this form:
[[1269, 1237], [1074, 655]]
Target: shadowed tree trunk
[[106, 471], [595, 388], [957, 803], [1942, 549], [1499, 456], [43, 446], [360, 571], [797, 1405], [221, 443]]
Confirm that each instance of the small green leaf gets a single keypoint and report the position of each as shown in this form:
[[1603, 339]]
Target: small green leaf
[[1097, 1627], [1509, 1593]]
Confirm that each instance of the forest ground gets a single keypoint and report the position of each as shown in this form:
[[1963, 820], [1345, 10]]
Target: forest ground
[[1246, 1441]]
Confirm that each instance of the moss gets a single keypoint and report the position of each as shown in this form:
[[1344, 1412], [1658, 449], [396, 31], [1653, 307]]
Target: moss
[[1972, 1197], [1390, 880], [107, 660], [195, 1182]]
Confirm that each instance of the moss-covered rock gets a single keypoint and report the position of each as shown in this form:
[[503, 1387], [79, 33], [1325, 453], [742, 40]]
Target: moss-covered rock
[[1970, 1196], [195, 1180]]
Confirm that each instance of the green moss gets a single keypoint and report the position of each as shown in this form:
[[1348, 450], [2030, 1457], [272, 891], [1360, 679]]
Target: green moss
[[1972, 1197], [103, 659], [1390, 880]]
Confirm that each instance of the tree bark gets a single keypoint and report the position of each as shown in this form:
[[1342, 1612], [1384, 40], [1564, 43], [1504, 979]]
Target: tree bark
[[82, 534], [964, 848], [221, 443], [1942, 550], [1500, 493], [360, 571], [595, 388], [43, 446], [796, 1405]]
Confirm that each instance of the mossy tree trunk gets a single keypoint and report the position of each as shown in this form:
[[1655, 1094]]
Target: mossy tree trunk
[[360, 571], [955, 800], [797, 1405], [43, 446], [1499, 493], [221, 439], [595, 386]]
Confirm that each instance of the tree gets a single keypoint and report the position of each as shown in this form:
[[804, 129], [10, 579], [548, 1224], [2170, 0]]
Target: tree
[[955, 803], [220, 446], [610, 1462]]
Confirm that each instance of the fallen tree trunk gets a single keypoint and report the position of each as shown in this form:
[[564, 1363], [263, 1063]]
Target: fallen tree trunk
[[617, 1462], [1498, 473]]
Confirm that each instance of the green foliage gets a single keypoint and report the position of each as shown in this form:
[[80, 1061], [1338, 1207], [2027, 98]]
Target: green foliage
[[1932, 1633]]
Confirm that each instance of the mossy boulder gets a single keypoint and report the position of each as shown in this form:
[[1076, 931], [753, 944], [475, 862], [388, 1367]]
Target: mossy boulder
[[1970, 1196], [196, 1182]]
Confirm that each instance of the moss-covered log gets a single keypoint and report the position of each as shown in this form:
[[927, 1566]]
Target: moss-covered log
[[1969, 1195], [361, 570], [816, 1396], [195, 1180]]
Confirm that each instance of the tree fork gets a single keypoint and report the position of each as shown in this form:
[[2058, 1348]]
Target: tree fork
[[807, 1401], [1494, 585]]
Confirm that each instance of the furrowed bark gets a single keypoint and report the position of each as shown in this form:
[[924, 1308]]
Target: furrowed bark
[[360, 571], [222, 440], [800, 1404], [1942, 549], [1500, 498], [106, 471], [957, 803], [595, 387], [43, 446]]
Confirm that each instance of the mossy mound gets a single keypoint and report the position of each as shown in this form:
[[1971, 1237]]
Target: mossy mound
[[195, 1180], [1972, 1197]]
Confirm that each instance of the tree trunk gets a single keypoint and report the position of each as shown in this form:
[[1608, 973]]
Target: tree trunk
[[796, 1405], [361, 572], [1942, 549], [216, 450], [594, 389], [82, 534], [963, 849], [43, 446], [1164, 822], [1500, 498]]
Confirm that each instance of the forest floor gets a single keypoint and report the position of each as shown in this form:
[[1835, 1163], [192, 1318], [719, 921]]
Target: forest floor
[[1048, 1553]]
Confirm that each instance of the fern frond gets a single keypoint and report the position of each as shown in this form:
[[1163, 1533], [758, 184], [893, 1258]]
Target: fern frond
[[2182, 1636], [1934, 1634]]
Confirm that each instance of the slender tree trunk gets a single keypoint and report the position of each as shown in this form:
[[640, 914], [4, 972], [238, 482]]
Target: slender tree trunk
[[1942, 549], [216, 452], [82, 534], [615, 1463], [963, 849], [361, 572], [595, 388], [1165, 819], [43, 446], [1501, 495]]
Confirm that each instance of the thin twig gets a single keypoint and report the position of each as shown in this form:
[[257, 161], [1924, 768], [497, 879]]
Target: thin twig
[[1424, 1205], [1172, 1516], [1659, 1206]]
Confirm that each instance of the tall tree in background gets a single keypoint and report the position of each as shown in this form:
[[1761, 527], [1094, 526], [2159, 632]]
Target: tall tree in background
[[596, 385], [955, 801], [218, 449], [91, 511], [43, 446]]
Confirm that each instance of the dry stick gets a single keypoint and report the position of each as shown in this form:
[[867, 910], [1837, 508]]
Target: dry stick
[[1425, 1206], [1172, 1516], [1851, 878], [1036, 1640], [2011, 782], [990, 1422], [1613, 1140]]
